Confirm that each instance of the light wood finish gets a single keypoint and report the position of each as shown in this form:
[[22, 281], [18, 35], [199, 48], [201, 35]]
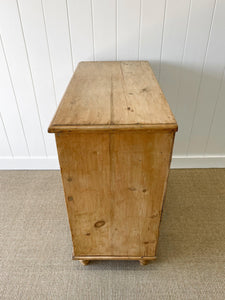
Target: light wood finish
[[114, 174], [114, 185], [104, 257], [111, 128], [84, 262], [102, 94], [143, 262]]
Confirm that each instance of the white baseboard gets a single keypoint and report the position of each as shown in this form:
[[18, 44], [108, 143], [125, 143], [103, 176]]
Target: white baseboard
[[51, 163], [191, 162], [29, 163]]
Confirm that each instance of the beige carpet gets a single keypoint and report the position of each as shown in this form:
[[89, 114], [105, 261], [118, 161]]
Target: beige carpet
[[36, 246]]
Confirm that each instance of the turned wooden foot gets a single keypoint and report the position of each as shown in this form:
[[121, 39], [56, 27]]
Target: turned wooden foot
[[143, 262], [84, 262]]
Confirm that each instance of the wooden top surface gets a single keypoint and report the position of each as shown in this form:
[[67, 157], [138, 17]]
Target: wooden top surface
[[113, 95]]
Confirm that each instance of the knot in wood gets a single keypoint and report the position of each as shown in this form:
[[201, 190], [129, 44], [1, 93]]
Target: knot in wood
[[99, 224]]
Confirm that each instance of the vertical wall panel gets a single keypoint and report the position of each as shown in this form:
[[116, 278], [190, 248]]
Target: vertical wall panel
[[9, 110], [216, 140], [12, 38], [104, 28], [175, 29], [4, 143], [128, 29], [55, 14], [38, 52], [42, 41], [81, 30], [151, 31], [210, 83], [201, 14]]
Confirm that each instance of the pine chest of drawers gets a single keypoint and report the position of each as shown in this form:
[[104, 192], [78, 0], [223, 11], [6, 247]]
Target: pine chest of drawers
[[114, 133]]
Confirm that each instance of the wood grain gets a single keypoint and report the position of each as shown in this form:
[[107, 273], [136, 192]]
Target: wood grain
[[101, 257], [114, 187], [114, 132], [139, 168], [85, 168], [102, 94]]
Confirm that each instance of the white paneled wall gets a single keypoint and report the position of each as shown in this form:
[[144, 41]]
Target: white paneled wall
[[41, 42]]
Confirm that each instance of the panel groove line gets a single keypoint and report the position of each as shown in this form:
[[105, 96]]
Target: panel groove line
[[198, 33], [32, 17], [49, 56], [104, 27], [92, 24], [42, 42], [201, 77], [162, 39], [214, 112], [69, 30], [116, 29], [6, 136], [12, 38], [210, 84], [139, 37], [182, 60], [128, 29], [58, 36], [17, 107], [151, 32], [31, 76], [173, 45], [80, 19]]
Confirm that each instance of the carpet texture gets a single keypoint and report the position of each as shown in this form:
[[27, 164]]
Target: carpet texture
[[36, 247]]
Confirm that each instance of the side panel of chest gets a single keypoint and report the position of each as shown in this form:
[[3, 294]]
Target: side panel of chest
[[114, 184]]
